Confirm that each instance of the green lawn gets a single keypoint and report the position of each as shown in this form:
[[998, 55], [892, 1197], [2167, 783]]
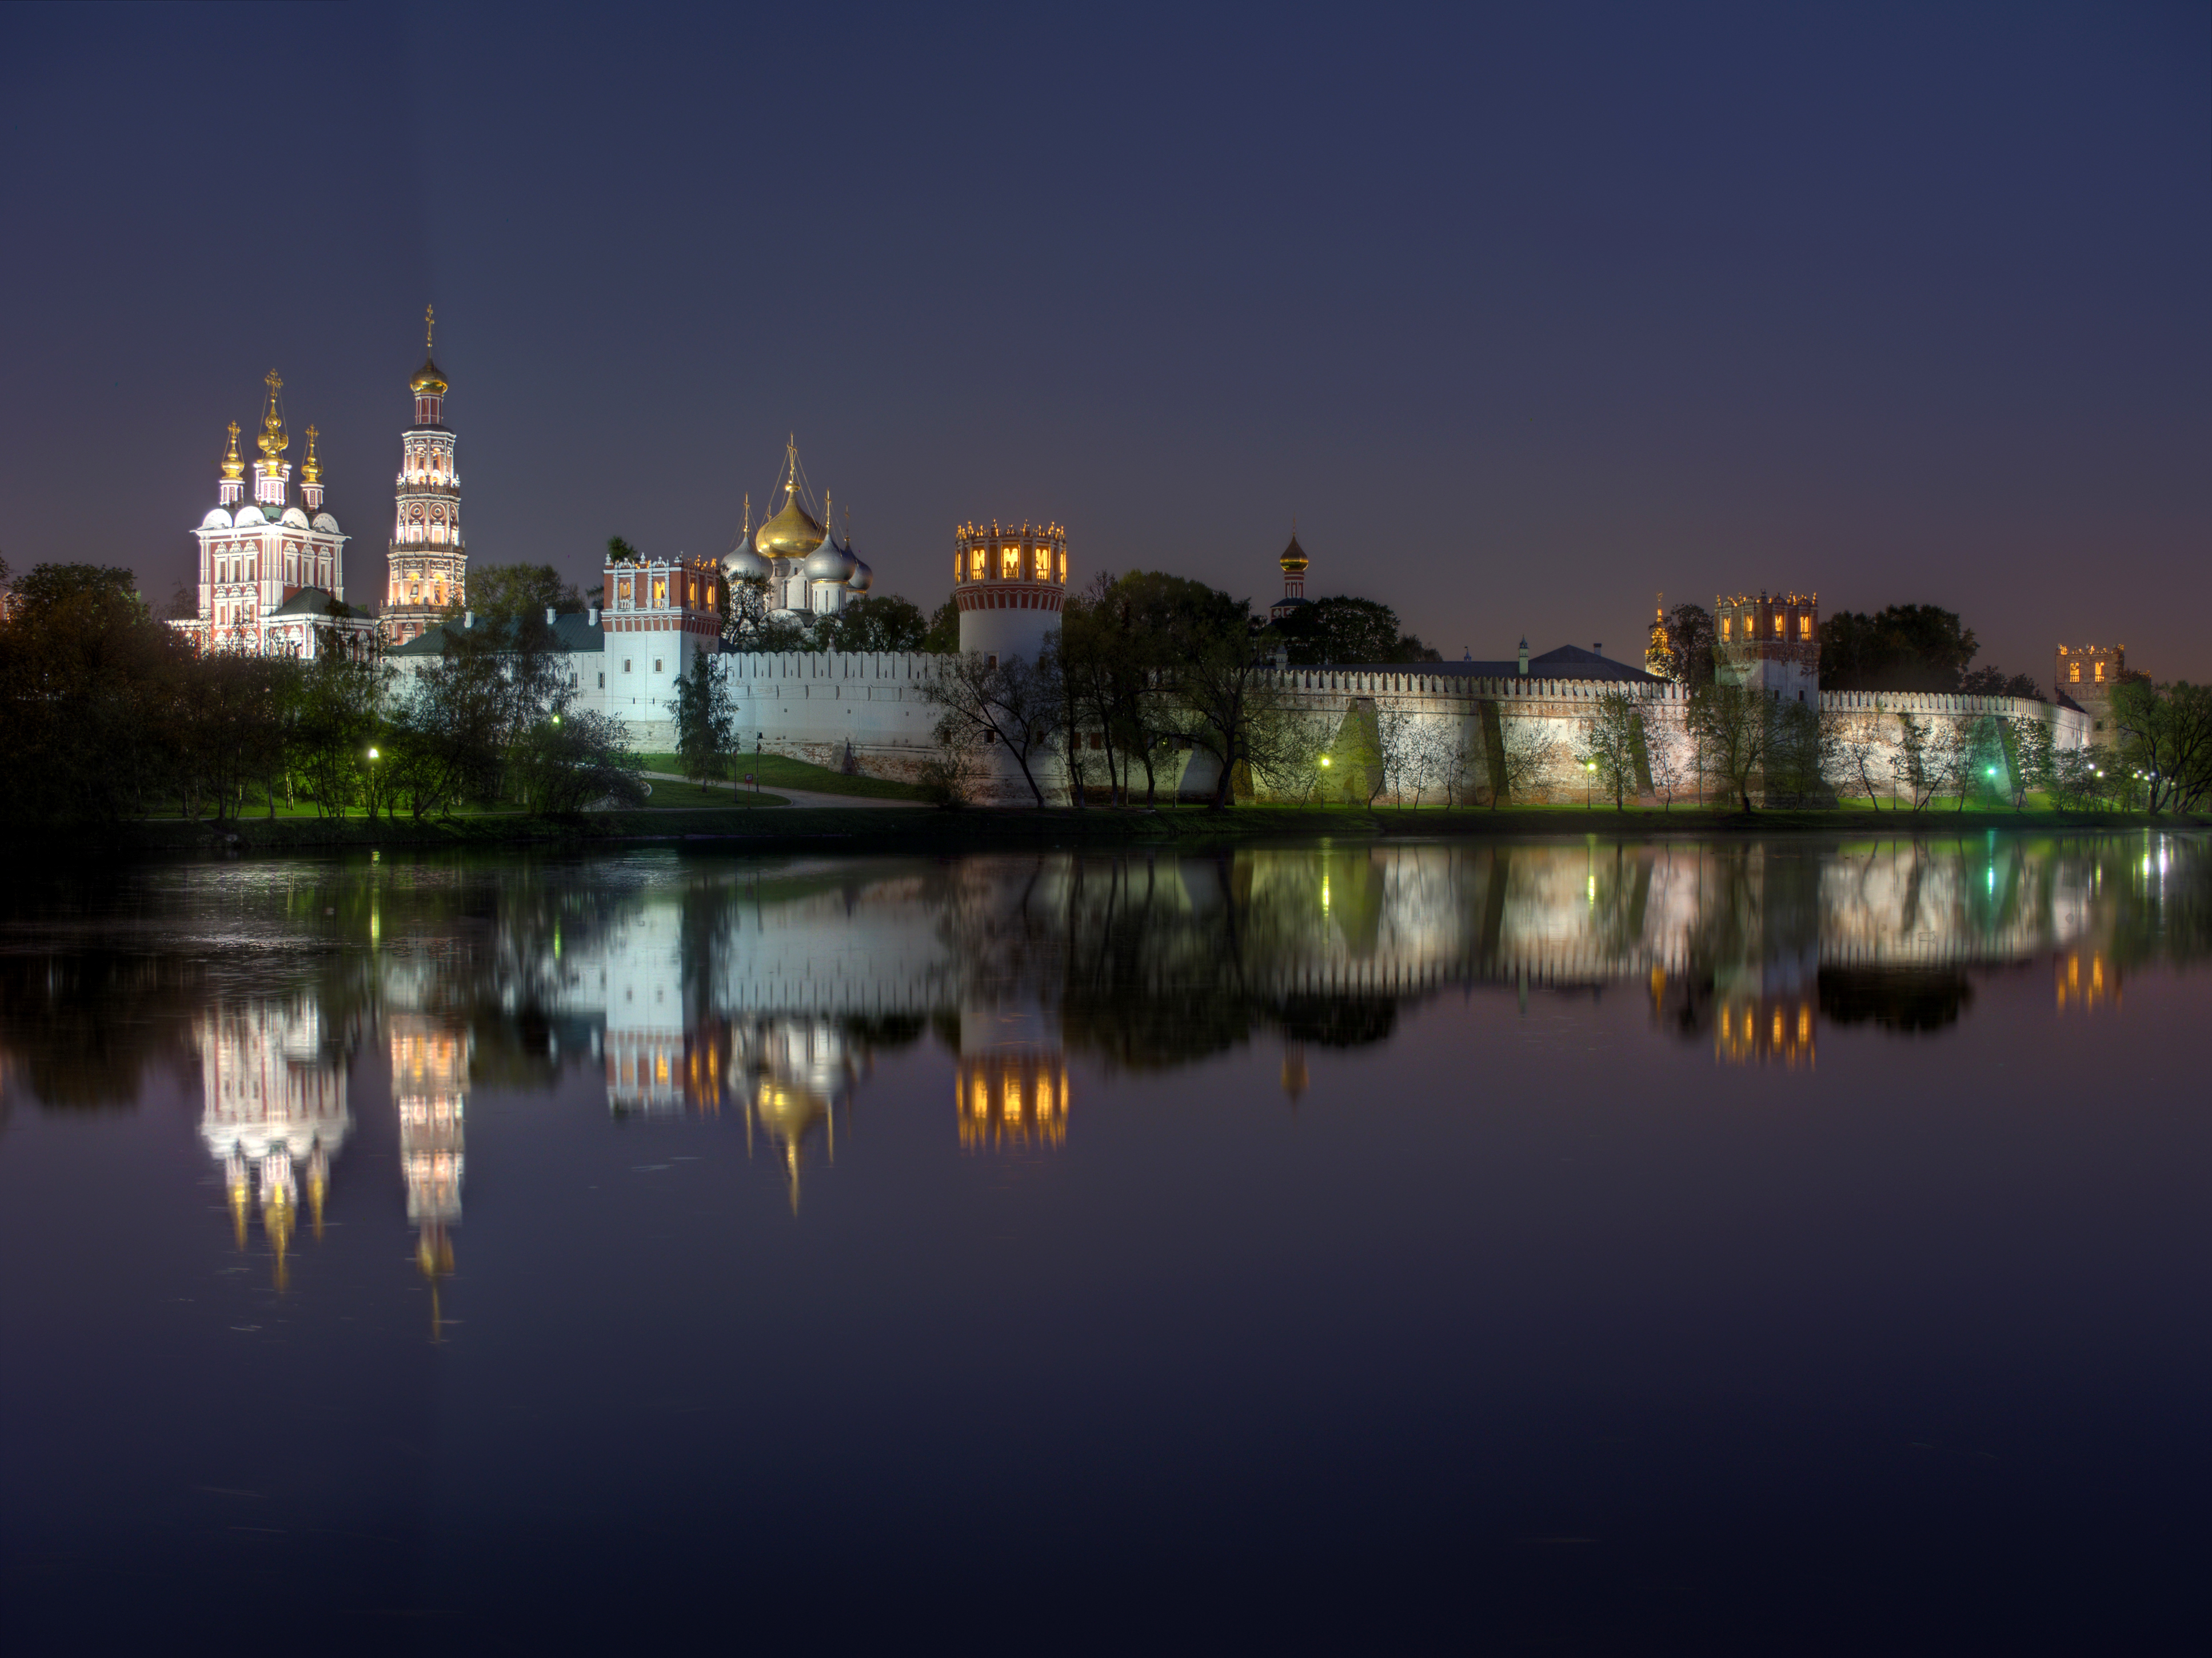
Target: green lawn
[[780, 771]]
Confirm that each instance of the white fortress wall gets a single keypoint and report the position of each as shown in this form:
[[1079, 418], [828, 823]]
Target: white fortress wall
[[871, 710]]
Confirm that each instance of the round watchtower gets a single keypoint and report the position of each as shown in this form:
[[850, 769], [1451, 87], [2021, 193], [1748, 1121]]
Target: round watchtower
[[1009, 585]]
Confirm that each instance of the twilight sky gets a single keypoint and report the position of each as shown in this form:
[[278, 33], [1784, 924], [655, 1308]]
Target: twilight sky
[[1526, 311]]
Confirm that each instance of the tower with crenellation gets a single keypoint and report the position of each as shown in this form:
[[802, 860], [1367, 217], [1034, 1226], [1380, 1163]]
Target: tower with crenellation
[[1009, 585], [2085, 675], [1770, 643]]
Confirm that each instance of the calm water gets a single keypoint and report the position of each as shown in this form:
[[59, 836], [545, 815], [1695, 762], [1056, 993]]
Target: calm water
[[1797, 1246]]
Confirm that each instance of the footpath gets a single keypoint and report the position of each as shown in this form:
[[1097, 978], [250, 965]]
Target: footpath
[[803, 797]]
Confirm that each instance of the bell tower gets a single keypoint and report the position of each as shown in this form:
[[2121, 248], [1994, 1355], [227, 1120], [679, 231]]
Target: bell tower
[[428, 565]]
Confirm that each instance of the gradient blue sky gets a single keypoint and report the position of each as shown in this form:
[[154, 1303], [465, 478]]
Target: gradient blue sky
[[1526, 313]]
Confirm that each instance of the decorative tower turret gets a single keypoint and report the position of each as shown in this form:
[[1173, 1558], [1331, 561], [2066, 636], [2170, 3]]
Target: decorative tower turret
[[272, 473], [232, 490], [1293, 562], [1009, 585], [428, 561], [1770, 643], [310, 476]]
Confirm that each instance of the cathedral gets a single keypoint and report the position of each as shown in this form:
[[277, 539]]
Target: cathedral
[[795, 560], [272, 571]]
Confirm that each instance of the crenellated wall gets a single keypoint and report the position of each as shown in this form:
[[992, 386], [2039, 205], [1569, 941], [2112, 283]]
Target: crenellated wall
[[869, 712]]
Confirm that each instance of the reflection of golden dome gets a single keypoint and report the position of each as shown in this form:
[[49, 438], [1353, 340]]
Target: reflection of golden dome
[[792, 533], [427, 382], [1294, 557]]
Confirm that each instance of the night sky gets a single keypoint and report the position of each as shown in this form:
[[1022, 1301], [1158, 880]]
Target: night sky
[[1526, 313]]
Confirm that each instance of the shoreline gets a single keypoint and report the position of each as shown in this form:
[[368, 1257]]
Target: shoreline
[[873, 829]]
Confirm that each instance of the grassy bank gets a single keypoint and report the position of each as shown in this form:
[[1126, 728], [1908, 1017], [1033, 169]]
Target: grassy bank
[[723, 826], [780, 771]]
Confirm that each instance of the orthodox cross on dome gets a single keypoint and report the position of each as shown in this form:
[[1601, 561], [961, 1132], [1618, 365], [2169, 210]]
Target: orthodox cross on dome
[[311, 469], [272, 442], [429, 325], [233, 467]]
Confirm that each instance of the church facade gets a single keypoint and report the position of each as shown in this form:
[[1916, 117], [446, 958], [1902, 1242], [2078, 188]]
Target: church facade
[[271, 575]]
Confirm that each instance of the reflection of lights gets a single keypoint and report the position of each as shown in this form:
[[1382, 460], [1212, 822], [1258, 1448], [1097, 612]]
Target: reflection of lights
[[1324, 894], [1591, 888], [1011, 1100], [1759, 1033]]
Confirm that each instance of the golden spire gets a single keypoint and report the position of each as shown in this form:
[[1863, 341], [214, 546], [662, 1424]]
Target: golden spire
[[311, 470], [272, 442], [233, 467]]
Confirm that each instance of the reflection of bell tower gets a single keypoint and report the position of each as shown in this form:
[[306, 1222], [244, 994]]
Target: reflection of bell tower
[[273, 1110], [429, 1089]]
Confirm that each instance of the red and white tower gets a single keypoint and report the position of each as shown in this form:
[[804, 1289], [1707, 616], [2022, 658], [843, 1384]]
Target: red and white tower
[[428, 563]]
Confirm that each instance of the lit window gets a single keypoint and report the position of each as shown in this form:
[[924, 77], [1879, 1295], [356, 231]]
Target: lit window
[[2100, 673], [1805, 627], [1727, 623], [660, 592], [1010, 562], [1063, 566], [1779, 622], [975, 566], [2076, 675], [1044, 564]]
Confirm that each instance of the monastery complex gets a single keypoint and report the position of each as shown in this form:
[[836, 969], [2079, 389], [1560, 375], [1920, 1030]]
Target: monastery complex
[[271, 580]]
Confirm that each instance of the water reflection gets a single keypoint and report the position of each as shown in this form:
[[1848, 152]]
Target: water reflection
[[273, 1087], [761, 995]]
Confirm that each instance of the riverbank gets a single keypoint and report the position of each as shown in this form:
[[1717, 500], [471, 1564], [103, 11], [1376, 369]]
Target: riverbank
[[873, 829]]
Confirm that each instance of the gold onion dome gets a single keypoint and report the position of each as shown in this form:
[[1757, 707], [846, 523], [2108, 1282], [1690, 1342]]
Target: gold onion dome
[[1294, 557], [311, 469], [233, 467], [427, 382], [792, 533]]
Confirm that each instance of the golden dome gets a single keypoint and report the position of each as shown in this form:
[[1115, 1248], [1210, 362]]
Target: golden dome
[[311, 469], [1294, 557], [272, 442], [233, 467], [427, 382], [792, 533]]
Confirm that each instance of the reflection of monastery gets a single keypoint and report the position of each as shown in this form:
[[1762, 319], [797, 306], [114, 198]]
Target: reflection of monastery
[[763, 995]]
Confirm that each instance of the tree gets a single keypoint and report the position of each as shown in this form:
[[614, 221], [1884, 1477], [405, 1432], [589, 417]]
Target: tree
[[1220, 696], [572, 758], [1668, 771], [942, 638], [1527, 750], [1926, 760], [706, 718], [91, 691], [1346, 630], [1690, 646], [1012, 702], [341, 702], [1613, 742], [1903, 648], [501, 593], [869, 623], [1994, 681], [1859, 753], [1733, 723], [1804, 749], [2165, 734]]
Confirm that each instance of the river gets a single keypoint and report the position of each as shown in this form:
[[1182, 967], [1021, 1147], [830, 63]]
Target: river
[[1794, 1244]]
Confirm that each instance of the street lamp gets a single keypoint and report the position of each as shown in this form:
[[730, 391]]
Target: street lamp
[[1589, 779]]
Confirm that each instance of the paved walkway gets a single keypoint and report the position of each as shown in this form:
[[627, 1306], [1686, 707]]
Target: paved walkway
[[809, 796]]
